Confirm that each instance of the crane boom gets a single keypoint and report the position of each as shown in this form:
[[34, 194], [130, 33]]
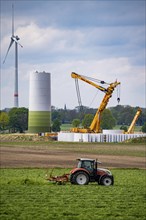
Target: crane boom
[[77, 76], [131, 127], [95, 125]]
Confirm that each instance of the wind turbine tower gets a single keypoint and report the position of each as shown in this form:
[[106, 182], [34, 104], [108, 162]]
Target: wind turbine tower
[[14, 39]]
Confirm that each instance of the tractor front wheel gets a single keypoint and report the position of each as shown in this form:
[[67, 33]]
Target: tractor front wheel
[[106, 181], [80, 178]]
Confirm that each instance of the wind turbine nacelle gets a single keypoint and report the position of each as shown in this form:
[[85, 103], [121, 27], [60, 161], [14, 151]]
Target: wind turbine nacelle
[[17, 38]]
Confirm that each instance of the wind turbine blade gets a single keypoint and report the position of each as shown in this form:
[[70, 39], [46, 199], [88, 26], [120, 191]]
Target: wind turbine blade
[[8, 49], [12, 20], [20, 44]]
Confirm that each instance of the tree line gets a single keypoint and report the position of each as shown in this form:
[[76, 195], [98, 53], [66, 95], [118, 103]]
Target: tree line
[[16, 119]]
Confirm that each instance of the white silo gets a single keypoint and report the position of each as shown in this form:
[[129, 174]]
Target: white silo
[[39, 102]]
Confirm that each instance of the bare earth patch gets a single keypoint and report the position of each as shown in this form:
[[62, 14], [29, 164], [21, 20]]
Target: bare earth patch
[[20, 157]]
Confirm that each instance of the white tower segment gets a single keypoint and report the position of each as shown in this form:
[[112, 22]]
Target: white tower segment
[[39, 102]]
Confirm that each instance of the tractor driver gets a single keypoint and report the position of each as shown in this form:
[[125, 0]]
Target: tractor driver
[[87, 165]]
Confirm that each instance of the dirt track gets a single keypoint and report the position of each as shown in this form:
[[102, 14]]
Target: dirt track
[[18, 157]]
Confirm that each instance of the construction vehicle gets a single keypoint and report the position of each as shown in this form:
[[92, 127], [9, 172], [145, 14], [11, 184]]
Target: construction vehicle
[[86, 171], [95, 125], [131, 127]]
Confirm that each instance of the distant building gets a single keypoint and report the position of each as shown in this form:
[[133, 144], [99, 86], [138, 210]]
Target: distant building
[[65, 107]]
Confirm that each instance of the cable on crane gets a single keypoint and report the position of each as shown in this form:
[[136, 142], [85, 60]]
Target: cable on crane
[[78, 94], [96, 80], [93, 99], [118, 93]]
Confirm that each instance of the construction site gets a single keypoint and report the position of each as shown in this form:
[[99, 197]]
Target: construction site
[[94, 133]]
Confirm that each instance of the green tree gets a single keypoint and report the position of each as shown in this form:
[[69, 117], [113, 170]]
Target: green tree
[[123, 127], [55, 115], [56, 125], [144, 128], [125, 114], [18, 119], [76, 123], [4, 120], [107, 120], [88, 118]]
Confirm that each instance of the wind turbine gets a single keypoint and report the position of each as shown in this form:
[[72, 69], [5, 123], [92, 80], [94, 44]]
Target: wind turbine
[[14, 39]]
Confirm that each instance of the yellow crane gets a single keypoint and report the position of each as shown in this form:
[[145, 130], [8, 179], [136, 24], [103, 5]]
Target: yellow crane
[[95, 125], [131, 127]]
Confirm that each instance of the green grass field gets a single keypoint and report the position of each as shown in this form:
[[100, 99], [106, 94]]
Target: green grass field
[[25, 194]]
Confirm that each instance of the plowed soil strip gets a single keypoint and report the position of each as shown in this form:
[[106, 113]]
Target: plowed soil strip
[[15, 157]]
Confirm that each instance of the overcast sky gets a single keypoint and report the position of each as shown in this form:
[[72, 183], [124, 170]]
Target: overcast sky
[[101, 39]]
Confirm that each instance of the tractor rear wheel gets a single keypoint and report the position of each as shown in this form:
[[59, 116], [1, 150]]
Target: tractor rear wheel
[[81, 178], [106, 181]]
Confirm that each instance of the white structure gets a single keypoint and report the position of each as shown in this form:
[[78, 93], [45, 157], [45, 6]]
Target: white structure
[[39, 102], [90, 137], [112, 131]]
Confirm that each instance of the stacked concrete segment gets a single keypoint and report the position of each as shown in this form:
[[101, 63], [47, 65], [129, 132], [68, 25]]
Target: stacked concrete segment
[[39, 102], [80, 137]]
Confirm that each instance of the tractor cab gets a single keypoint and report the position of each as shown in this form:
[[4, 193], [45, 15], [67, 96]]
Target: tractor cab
[[88, 164]]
